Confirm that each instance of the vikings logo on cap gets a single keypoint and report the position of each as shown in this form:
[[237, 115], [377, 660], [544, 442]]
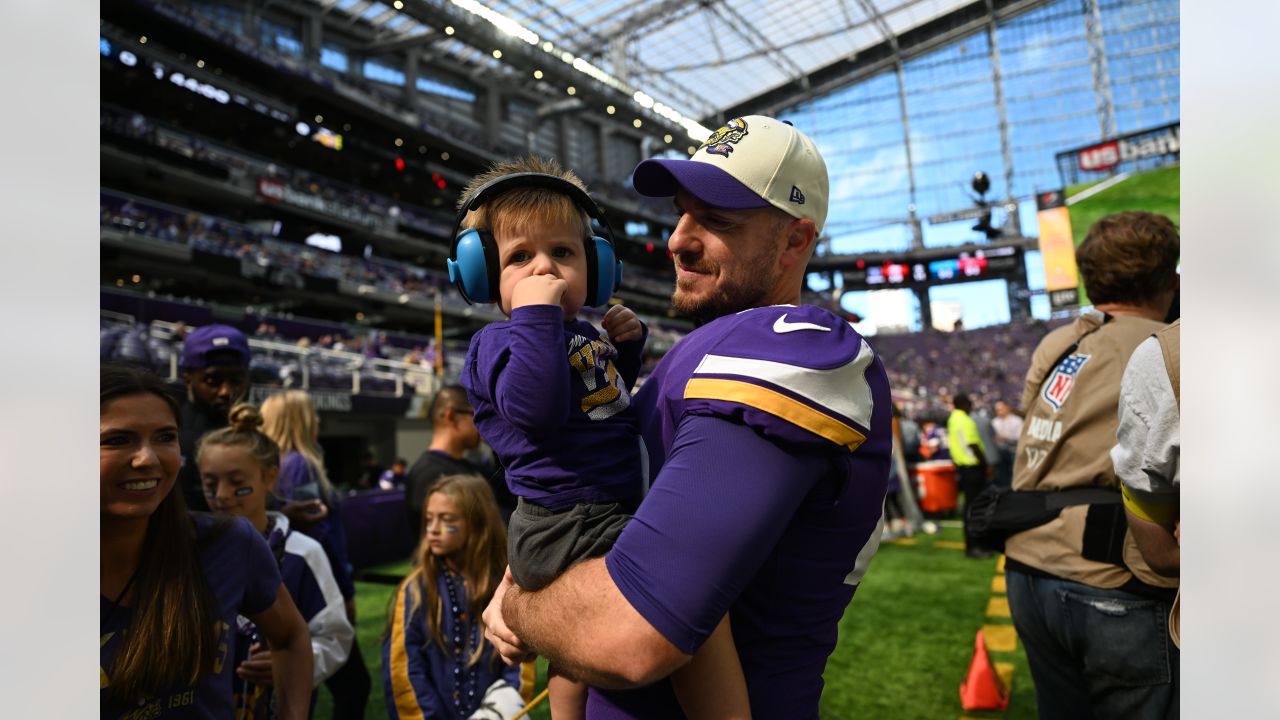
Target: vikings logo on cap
[[718, 143], [1059, 385]]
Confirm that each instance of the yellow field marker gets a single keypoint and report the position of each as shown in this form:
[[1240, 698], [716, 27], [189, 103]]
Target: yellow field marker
[[949, 544], [1000, 638], [1005, 671], [997, 584], [1000, 564], [998, 607], [902, 541]]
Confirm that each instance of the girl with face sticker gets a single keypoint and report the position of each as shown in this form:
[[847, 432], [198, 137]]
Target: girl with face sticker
[[238, 469], [436, 662], [173, 582], [308, 500]]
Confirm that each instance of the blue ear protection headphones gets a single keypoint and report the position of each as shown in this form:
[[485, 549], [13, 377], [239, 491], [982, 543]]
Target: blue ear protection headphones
[[473, 256]]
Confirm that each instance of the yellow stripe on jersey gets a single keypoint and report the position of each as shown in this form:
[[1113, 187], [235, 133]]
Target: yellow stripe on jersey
[[775, 403], [1163, 514], [528, 678], [401, 687]]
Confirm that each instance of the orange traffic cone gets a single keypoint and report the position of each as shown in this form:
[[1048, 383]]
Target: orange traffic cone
[[983, 689]]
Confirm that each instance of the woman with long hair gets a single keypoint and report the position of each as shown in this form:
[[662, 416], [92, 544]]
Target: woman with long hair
[[173, 582], [238, 468], [435, 660], [291, 421]]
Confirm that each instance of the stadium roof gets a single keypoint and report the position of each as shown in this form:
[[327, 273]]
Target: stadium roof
[[701, 58]]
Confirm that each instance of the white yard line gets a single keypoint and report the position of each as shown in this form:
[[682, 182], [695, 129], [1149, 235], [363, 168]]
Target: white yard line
[[1097, 188]]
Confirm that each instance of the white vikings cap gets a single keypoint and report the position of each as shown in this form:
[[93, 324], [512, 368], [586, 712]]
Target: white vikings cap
[[753, 161]]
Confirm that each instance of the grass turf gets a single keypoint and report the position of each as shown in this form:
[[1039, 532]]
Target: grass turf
[[904, 648], [1156, 191]]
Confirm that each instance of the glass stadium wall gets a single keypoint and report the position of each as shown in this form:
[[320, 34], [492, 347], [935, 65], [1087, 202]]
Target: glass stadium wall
[[905, 143]]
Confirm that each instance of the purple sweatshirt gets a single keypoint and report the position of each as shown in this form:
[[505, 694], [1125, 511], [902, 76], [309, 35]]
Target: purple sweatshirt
[[551, 398]]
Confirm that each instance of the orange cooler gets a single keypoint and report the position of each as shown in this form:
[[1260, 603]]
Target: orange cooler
[[936, 483]]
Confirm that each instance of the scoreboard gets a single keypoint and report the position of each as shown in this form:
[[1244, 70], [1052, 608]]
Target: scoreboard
[[926, 268]]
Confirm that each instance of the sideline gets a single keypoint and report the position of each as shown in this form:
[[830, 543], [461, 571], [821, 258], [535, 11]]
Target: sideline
[[1000, 637]]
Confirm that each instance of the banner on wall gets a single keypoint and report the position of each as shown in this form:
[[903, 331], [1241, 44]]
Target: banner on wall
[[1058, 250]]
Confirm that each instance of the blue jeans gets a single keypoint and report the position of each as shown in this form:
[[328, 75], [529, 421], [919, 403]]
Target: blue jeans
[[1094, 653]]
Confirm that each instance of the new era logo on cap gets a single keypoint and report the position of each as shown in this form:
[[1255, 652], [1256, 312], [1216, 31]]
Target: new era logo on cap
[[796, 195], [220, 341]]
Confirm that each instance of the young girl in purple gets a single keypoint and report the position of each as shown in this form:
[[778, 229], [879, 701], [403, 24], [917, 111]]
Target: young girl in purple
[[551, 397], [435, 661], [238, 468], [173, 582], [311, 505]]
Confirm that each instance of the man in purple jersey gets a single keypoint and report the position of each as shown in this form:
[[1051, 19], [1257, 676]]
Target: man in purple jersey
[[768, 433]]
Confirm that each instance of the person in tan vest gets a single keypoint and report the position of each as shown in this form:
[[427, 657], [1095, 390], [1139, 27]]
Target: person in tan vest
[[1147, 450], [1089, 609]]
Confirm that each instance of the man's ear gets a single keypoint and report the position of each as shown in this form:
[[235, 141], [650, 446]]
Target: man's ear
[[800, 237]]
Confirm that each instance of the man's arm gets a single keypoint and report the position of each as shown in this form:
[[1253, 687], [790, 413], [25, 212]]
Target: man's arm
[[720, 503], [1146, 455], [1157, 543], [593, 633]]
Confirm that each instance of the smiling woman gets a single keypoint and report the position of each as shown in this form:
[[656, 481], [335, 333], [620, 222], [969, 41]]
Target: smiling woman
[[171, 583]]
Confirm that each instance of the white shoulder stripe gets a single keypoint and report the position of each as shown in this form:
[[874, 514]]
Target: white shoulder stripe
[[843, 389]]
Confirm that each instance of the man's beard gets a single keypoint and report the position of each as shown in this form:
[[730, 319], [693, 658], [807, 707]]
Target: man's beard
[[731, 297]]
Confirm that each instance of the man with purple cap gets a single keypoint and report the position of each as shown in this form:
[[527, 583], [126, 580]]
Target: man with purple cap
[[768, 439], [215, 368]]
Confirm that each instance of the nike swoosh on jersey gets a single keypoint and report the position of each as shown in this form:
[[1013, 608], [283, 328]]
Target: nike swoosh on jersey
[[781, 326]]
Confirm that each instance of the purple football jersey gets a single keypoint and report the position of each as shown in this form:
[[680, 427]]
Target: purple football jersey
[[769, 435], [552, 399]]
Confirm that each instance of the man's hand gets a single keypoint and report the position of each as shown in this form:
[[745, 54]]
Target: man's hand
[[538, 290], [622, 325], [256, 668], [496, 630]]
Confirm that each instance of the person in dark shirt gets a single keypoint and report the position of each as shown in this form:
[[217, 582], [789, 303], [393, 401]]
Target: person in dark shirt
[[215, 369], [453, 433]]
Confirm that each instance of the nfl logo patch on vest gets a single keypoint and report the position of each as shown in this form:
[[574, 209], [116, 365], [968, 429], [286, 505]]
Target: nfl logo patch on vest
[[1059, 384], [797, 196]]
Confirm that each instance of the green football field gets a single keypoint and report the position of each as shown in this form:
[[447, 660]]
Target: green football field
[[905, 641], [1156, 191]]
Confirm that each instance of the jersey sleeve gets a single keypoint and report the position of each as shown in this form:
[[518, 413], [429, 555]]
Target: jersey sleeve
[[699, 500], [320, 602], [261, 571], [406, 675], [520, 368], [798, 375], [294, 473]]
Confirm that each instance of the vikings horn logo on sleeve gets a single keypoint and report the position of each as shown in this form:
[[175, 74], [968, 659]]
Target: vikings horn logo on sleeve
[[718, 143]]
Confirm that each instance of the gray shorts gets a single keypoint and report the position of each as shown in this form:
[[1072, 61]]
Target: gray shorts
[[541, 544]]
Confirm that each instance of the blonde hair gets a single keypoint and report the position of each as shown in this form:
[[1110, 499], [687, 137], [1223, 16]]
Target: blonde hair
[[291, 422], [245, 419], [517, 209], [481, 562]]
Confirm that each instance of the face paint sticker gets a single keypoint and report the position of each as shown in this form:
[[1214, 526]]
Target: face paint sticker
[[243, 491], [451, 529]]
